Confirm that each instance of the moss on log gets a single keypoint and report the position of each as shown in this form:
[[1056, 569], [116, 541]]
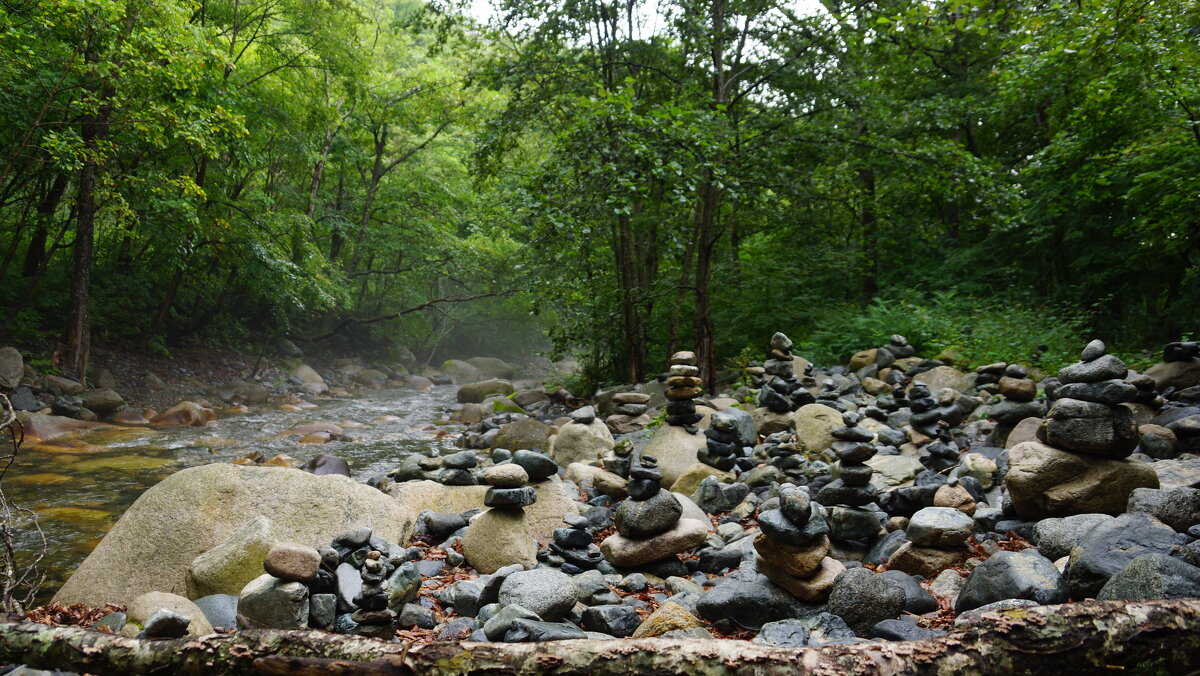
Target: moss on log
[[1150, 637]]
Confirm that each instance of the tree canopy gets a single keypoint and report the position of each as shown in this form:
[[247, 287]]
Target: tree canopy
[[631, 178]]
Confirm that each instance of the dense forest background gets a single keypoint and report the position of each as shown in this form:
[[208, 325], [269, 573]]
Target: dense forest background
[[999, 178]]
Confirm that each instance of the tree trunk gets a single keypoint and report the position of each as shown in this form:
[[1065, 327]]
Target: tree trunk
[[1146, 637], [35, 255], [706, 240]]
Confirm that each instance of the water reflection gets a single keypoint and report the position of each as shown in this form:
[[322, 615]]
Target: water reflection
[[79, 487]]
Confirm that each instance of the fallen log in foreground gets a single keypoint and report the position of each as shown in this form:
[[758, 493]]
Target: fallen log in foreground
[[1131, 637]]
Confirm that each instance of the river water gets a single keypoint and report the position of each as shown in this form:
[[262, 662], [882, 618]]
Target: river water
[[80, 488]]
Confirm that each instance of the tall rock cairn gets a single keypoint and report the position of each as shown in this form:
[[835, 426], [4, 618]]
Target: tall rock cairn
[[683, 386], [1086, 416], [781, 392], [852, 490]]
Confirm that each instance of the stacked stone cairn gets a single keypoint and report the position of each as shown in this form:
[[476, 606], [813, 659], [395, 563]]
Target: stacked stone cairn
[[852, 490], [572, 549], [500, 535], [649, 527], [781, 452], [937, 538], [632, 404], [358, 585], [793, 546], [781, 391], [925, 414], [722, 448], [1019, 394], [683, 386], [1086, 416]]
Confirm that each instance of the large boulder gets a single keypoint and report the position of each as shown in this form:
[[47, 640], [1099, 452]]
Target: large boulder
[[1013, 575], [1108, 547], [941, 377], [675, 448], [814, 427], [12, 367], [101, 402], [476, 392], [193, 511], [1046, 482], [310, 381], [491, 367], [462, 371], [1178, 374], [523, 433], [184, 414], [40, 427], [576, 442]]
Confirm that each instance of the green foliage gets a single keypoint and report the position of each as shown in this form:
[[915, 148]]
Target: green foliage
[[982, 330]]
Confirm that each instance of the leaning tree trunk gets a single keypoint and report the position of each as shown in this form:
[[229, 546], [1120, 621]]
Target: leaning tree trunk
[[1160, 637]]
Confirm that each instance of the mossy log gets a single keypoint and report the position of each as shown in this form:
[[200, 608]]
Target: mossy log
[[1149, 637]]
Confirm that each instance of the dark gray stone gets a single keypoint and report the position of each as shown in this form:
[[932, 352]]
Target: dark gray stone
[[498, 624], [1055, 538], [511, 498], [1108, 547], [546, 591], [916, 600], [776, 526], [413, 615], [899, 630], [1107, 367], [639, 519], [322, 611], [1110, 392], [854, 523], [535, 631], [164, 623], [1179, 508], [219, 609], [1152, 576], [863, 598], [443, 525], [1013, 575], [614, 620], [537, 465], [748, 599], [715, 497]]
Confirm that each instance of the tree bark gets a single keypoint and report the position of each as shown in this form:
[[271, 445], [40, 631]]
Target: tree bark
[[1146, 637]]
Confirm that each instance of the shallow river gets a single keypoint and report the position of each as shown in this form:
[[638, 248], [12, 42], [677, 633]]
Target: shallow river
[[80, 490]]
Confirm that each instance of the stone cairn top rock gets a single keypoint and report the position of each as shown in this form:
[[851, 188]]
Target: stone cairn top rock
[[1086, 416], [683, 386], [792, 548]]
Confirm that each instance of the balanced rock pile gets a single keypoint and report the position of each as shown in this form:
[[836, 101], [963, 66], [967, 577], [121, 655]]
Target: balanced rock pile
[[649, 527], [792, 548], [500, 536], [572, 549], [683, 385], [781, 391], [1078, 465], [723, 446], [852, 489], [937, 537], [358, 585], [1086, 416]]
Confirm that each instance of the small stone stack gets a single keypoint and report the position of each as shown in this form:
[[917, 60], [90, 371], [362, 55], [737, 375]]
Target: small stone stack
[[937, 537], [781, 391], [942, 453], [355, 586], [852, 489], [792, 549], [649, 527], [500, 536], [925, 413], [683, 385], [781, 452], [631, 404], [573, 546], [1086, 416], [722, 445], [1015, 384]]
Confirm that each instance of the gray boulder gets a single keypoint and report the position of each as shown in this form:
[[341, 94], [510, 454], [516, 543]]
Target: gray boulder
[[1013, 575], [547, 592], [1179, 508], [1152, 576], [270, 603], [1107, 548], [863, 598], [1056, 537]]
